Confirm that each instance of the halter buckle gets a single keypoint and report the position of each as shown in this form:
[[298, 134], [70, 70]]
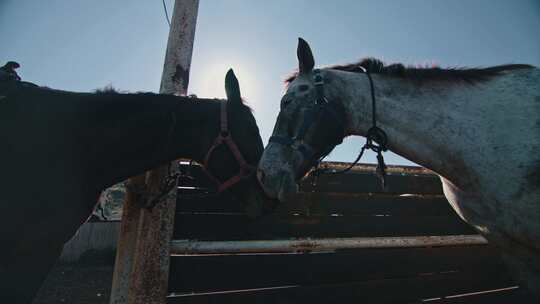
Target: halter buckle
[[321, 101], [317, 78]]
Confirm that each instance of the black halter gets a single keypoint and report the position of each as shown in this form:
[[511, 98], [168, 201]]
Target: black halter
[[376, 138], [315, 111]]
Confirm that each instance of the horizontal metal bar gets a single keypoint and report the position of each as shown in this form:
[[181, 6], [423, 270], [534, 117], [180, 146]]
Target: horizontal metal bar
[[188, 247], [370, 168]]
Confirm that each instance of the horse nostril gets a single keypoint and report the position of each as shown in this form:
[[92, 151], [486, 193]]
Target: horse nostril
[[261, 175]]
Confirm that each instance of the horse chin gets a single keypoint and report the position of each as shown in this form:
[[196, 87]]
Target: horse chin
[[258, 204], [287, 190]]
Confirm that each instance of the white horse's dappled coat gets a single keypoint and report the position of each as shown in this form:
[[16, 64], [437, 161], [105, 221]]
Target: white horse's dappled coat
[[482, 138]]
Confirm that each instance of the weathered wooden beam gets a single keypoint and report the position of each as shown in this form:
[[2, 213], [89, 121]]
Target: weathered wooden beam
[[127, 241], [430, 288], [207, 273], [365, 181], [141, 271], [328, 203], [227, 227], [361, 179], [188, 247]]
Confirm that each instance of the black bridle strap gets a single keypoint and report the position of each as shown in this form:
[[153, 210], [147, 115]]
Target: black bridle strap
[[376, 140], [306, 123], [306, 150], [373, 103], [320, 107]]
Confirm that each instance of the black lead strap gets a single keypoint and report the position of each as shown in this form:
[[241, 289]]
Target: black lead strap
[[376, 141]]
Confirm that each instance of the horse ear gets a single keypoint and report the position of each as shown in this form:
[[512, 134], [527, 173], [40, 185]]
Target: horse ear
[[232, 88], [305, 57]]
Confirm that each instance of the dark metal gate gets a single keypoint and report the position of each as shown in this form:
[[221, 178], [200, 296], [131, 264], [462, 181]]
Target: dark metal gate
[[345, 207]]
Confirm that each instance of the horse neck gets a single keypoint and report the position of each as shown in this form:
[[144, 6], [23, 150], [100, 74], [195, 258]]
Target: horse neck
[[422, 121], [149, 131]]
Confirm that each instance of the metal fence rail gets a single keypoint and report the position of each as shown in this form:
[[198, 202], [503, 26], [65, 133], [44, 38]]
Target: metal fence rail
[[189, 247]]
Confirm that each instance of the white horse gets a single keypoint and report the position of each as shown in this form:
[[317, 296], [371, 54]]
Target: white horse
[[478, 129]]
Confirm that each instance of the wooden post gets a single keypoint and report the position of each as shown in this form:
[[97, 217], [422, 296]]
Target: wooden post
[[142, 258]]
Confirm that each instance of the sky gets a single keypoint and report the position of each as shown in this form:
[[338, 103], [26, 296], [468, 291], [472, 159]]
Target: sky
[[85, 45]]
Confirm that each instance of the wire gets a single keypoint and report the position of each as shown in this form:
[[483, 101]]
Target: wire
[[166, 13]]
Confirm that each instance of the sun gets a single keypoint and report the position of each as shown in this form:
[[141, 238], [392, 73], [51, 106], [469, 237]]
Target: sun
[[210, 82]]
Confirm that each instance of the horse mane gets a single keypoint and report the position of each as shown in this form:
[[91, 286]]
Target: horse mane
[[424, 74], [109, 89]]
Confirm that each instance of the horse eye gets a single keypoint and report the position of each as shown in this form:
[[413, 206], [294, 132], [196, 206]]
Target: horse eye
[[303, 88]]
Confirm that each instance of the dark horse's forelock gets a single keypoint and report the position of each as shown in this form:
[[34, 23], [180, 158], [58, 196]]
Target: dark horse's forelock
[[423, 74]]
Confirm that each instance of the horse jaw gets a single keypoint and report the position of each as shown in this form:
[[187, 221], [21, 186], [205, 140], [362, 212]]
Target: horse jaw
[[275, 174], [255, 201]]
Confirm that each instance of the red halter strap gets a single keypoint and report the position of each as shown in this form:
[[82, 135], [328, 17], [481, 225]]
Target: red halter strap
[[224, 137]]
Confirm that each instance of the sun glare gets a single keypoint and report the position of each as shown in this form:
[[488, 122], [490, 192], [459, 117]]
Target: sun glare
[[210, 82]]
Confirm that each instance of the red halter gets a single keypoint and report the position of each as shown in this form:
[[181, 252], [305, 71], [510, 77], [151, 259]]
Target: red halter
[[224, 137]]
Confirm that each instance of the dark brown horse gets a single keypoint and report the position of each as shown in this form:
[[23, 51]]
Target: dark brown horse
[[61, 149]]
